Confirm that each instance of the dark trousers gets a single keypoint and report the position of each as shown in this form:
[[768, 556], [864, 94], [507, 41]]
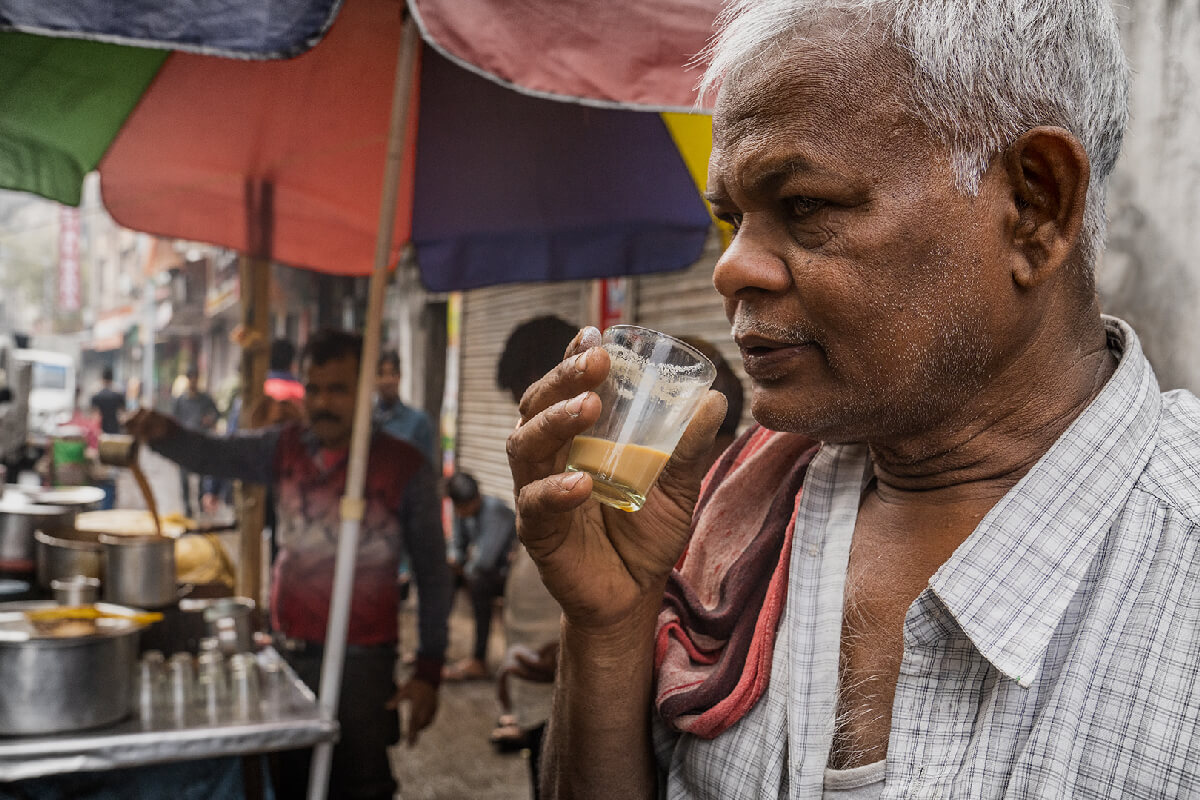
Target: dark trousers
[[535, 736], [361, 770], [185, 488], [484, 588]]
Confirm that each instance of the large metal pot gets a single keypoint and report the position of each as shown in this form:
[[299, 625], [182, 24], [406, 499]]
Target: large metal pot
[[19, 519], [67, 552], [69, 683], [139, 570]]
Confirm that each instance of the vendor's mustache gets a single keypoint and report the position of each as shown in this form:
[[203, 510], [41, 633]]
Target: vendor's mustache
[[324, 416]]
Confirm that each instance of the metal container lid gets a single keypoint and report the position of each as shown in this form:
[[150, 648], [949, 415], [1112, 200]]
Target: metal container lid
[[49, 622], [11, 503], [73, 496]]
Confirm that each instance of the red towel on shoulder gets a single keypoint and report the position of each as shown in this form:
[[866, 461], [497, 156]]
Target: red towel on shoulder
[[724, 600]]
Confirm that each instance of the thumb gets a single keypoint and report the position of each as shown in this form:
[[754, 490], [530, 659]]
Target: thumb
[[689, 462]]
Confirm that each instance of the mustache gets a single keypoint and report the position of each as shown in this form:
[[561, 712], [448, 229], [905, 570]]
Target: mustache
[[746, 323], [324, 416]]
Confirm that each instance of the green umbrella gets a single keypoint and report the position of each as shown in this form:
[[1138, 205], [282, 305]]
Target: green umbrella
[[61, 103]]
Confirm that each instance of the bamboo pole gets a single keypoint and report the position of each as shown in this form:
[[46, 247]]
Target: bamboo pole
[[254, 271], [352, 502]]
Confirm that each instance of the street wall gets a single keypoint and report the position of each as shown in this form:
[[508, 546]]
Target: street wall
[[1150, 274]]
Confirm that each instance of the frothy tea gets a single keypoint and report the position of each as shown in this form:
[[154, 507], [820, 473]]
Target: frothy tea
[[622, 474]]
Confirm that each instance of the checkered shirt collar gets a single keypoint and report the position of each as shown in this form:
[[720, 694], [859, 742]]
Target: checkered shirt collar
[[1008, 585]]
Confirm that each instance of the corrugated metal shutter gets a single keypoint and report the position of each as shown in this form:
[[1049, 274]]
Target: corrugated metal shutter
[[486, 414], [686, 304]]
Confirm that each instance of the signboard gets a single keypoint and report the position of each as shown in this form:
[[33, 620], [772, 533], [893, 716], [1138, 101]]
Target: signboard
[[69, 289]]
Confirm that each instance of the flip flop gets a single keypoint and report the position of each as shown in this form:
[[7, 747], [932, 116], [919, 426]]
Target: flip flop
[[467, 670]]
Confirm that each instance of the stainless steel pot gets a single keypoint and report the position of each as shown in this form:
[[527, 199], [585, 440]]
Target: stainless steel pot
[[139, 570], [63, 553], [54, 685], [19, 519]]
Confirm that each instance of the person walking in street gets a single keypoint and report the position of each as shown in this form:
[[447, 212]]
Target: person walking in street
[[306, 463], [480, 550], [391, 415], [957, 555], [525, 681], [108, 403], [194, 410]]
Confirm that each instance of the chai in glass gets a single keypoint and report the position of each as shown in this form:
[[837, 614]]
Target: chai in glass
[[654, 385]]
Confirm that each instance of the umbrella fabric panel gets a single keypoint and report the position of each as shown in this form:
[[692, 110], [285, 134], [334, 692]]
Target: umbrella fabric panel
[[210, 131], [258, 29], [61, 103], [564, 48], [513, 188], [471, 263]]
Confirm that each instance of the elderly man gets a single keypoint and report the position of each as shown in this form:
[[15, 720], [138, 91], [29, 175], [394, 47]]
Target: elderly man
[[307, 465], [959, 557]]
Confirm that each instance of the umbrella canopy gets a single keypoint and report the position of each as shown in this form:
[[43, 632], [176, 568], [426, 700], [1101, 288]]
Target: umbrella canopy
[[263, 29], [508, 187], [564, 49]]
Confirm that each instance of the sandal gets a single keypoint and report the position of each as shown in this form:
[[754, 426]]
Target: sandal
[[469, 669], [507, 736]]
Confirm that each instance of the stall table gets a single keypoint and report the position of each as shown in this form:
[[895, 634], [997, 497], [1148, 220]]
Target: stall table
[[288, 718]]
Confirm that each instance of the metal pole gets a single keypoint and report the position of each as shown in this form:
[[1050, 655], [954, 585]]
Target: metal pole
[[352, 502]]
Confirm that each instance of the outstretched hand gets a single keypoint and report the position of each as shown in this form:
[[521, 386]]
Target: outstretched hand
[[149, 426], [598, 562], [422, 699]]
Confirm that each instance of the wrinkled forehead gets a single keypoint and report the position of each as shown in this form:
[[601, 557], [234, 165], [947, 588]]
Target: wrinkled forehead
[[829, 81]]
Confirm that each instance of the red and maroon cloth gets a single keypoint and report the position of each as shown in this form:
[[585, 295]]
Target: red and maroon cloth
[[724, 600]]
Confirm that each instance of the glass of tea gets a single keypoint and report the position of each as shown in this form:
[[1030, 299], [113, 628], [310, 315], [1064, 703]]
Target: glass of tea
[[653, 388]]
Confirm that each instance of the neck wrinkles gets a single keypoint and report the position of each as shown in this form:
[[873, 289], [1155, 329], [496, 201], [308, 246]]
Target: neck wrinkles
[[988, 456]]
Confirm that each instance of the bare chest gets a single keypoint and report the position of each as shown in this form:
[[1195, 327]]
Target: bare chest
[[891, 561]]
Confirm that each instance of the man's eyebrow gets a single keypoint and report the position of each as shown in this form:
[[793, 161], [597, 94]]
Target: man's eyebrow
[[766, 175]]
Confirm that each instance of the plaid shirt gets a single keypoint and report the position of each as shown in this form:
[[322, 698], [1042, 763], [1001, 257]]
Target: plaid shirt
[[1054, 655]]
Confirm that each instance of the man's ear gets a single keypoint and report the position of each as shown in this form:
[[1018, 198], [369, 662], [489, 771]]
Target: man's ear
[[1048, 173]]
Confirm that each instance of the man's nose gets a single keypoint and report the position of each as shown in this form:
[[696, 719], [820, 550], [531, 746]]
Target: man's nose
[[754, 260]]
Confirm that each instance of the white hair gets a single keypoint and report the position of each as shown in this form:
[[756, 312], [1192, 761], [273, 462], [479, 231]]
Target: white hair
[[983, 72]]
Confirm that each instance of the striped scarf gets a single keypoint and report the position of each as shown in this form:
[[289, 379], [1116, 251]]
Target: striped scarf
[[724, 600]]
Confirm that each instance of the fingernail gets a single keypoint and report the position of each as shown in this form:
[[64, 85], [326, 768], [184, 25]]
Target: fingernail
[[581, 361], [575, 404], [572, 480]]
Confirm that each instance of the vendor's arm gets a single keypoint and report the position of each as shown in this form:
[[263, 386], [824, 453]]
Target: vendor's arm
[[247, 455], [607, 569], [420, 515]]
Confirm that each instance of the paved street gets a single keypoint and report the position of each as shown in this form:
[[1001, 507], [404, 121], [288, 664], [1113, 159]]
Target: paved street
[[453, 759]]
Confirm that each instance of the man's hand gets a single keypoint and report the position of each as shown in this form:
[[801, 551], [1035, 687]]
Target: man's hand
[[522, 662], [422, 699], [601, 564], [149, 426]]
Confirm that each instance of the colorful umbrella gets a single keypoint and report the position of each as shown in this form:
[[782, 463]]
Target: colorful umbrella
[[509, 186]]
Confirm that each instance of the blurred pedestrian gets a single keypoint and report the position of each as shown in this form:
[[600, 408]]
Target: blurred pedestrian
[[108, 403], [480, 549], [391, 415], [195, 410], [525, 681]]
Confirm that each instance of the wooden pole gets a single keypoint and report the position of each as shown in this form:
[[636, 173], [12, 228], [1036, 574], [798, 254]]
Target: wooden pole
[[352, 501], [255, 273]]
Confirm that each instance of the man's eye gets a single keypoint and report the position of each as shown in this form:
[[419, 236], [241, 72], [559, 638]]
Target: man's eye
[[800, 207], [732, 220]]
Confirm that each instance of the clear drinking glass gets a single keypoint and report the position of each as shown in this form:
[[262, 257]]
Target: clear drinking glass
[[653, 388], [181, 684], [244, 685]]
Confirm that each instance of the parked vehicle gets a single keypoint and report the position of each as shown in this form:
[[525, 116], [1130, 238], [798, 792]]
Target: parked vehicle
[[52, 389]]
